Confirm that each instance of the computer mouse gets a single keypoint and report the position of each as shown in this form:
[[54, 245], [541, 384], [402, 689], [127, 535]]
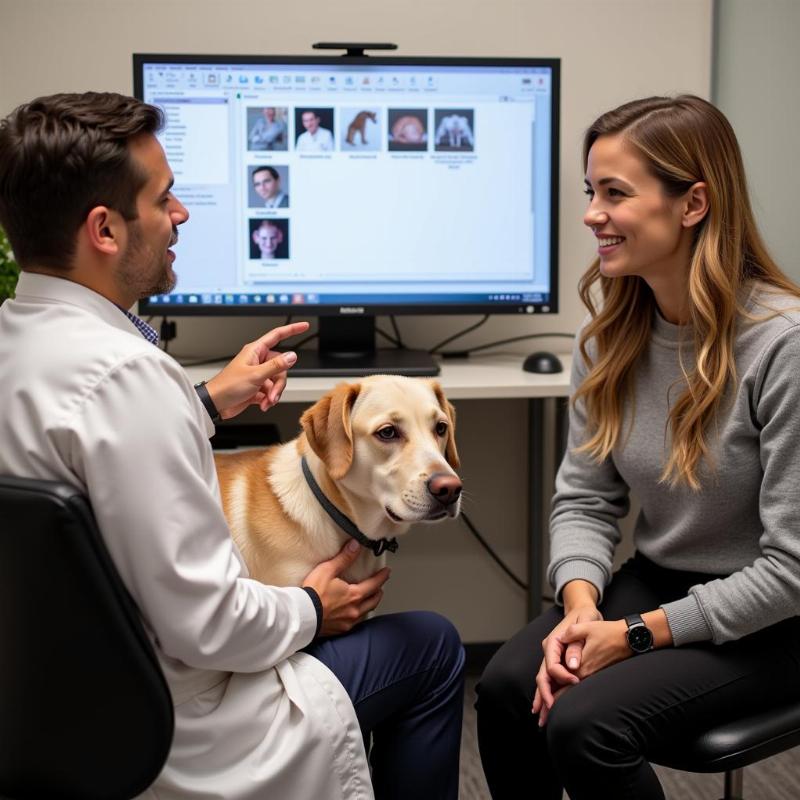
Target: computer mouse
[[543, 363]]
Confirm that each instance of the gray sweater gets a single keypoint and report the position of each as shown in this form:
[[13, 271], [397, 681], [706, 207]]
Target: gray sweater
[[744, 523]]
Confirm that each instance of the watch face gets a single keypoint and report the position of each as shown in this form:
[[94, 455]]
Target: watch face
[[640, 639]]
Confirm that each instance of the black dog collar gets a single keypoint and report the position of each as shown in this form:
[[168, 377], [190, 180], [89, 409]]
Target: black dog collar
[[378, 546]]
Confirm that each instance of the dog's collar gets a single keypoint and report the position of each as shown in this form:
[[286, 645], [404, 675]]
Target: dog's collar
[[378, 546]]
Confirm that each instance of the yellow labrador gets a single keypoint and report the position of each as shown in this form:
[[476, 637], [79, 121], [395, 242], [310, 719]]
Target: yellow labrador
[[373, 458]]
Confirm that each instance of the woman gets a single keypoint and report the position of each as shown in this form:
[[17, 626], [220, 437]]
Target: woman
[[685, 394]]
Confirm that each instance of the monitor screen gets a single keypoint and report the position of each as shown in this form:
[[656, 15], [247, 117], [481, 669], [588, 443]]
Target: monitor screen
[[347, 186]]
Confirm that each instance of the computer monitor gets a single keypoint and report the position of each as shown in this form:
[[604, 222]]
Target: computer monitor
[[347, 187]]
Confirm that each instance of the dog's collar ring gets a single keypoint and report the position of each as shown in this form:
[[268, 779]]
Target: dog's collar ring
[[384, 544]]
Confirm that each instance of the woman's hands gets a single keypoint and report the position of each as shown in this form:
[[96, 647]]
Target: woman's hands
[[603, 644], [554, 677], [584, 643]]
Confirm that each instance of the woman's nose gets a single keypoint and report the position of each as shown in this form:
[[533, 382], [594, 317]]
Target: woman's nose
[[594, 216]]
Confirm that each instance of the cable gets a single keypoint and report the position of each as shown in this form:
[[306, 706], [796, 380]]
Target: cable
[[400, 343], [488, 549], [474, 531], [395, 342], [508, 341], [309, 338], [167, 333], [449, 339]]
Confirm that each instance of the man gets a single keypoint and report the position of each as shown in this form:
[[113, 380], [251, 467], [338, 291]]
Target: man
[[86, 398], [316, 138], [268, 132], [268, 237], [267, 185]]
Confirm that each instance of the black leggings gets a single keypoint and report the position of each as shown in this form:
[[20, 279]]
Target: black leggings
[[601, 733]]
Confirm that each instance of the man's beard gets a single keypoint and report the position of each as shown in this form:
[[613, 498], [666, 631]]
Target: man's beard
[[143, 271]]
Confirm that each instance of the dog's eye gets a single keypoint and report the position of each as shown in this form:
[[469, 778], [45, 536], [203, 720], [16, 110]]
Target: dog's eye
[[387, 433], [441, 429]]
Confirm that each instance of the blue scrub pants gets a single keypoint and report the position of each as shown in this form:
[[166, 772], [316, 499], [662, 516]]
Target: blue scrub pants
[[405, 675]]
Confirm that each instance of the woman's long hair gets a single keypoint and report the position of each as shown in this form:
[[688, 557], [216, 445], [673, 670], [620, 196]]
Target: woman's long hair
[[682, 140]]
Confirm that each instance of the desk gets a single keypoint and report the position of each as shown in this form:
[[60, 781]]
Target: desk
[[488, 377]]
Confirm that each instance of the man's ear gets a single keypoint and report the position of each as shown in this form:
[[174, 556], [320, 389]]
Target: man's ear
[[450, 452], [328, 430], [103, 229], [696, 205]]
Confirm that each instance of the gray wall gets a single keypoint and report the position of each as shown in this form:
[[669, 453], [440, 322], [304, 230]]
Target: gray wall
[[756, 74]]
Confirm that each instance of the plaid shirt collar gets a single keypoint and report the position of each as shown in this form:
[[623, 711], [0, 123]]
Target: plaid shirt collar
[[149, 333]]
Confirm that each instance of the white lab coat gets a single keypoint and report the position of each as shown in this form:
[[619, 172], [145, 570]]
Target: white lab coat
[[86, 399]]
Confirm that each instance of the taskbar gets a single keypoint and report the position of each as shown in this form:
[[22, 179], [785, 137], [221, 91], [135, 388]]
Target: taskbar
[[311, 298]]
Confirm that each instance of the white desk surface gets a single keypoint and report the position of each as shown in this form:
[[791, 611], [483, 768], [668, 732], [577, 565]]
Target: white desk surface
[[498, 376]]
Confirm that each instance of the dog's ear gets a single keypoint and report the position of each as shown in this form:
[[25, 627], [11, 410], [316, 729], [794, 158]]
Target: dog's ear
[[450, 452], [328, 430]]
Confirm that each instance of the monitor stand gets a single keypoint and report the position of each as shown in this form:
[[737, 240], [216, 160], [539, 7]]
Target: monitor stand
[[347, 347]]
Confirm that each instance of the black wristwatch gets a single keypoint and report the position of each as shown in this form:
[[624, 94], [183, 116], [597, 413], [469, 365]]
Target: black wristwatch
[[639, 636], [205, 399]]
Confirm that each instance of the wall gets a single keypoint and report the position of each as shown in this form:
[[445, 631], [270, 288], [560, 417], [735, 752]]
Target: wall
[[756, 69], [611, 52]]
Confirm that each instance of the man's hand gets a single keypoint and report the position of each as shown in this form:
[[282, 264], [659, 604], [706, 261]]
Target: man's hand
[[256, 375], [344, 604]]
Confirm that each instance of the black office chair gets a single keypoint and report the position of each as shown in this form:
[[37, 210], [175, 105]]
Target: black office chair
[[731, 747], [85, 711]]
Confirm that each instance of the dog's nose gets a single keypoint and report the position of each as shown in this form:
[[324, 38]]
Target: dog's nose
[[445, 488]]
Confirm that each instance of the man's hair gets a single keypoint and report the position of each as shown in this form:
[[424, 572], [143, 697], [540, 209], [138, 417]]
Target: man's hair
[[272, 171], [60, 156]]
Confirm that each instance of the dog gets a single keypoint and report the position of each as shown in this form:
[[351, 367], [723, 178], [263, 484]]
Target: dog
[[382, 452], [358, 125]]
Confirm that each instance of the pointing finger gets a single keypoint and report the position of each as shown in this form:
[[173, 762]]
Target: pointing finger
[[271, 338]]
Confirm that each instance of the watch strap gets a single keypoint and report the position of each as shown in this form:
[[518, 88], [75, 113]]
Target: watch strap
[[633, 619], [315, 599], [205, 399]]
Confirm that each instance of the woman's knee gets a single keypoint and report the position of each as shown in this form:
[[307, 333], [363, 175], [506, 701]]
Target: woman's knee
[[503, 687], [567, 724], [510, 676], [581, 731]]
